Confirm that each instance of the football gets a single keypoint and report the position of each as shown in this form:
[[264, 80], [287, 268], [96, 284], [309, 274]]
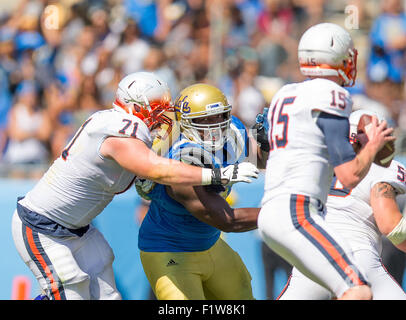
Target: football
[[384, 157]]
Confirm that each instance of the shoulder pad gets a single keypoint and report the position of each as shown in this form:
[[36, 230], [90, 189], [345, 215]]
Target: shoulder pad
[[237, 123], [118, 124], [191, 153], [327, 96]]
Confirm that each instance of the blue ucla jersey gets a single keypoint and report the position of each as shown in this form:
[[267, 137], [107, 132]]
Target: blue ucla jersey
[[168, 226]]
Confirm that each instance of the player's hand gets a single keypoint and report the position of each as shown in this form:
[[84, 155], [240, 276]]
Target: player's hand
[[260, 130], [378, 134], [144, 187], [242, 172]]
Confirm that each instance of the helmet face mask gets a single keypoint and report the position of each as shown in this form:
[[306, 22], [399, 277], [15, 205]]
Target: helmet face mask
[[349, 71], [326, 49], [204, 115], [145, 96], [210, 131]]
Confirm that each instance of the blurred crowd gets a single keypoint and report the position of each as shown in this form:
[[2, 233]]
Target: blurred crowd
[[62, 60]]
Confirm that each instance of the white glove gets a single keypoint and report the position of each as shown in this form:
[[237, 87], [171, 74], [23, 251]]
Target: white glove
[[242, 172]]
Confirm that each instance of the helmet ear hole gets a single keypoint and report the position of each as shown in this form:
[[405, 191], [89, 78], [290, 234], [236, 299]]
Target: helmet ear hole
[[136, 107]]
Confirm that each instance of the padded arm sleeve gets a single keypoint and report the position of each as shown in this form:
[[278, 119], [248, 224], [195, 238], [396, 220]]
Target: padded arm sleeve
[[336, 132]]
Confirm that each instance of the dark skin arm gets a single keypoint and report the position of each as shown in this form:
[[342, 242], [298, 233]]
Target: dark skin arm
[[261, 156], [209, 207]]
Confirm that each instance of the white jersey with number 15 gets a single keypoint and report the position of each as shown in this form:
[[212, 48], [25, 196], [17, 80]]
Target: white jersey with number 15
[[298, 160]]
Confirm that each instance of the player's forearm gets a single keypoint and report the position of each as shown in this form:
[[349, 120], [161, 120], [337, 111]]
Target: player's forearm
[[209, 207], [363, 162], [262, 157], [352, 172], [378, 135], [134, 156], [259, 149], [228, 219], [171, 172], [220, 215], [245, 219], [388, 217], [386, 214]]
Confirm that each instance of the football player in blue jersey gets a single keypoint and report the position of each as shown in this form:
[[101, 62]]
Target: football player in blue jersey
[[182, 252]]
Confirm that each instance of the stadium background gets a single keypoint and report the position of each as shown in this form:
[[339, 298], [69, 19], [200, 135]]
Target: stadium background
[[62, 60]]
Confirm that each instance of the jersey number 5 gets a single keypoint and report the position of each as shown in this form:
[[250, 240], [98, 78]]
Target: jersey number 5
[[401, 174], [283, 119]]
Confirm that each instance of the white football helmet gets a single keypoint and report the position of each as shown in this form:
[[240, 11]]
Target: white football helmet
[[146, 96], [327, 49]]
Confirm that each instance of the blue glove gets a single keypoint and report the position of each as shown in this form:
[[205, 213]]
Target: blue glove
[[260, 130], [262, 119]]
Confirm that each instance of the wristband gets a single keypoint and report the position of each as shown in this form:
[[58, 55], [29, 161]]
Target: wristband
[[398, 234], [215, 176], [206, 176]]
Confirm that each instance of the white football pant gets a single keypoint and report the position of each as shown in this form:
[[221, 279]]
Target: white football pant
[[383, 286], [71, 268], [293, 226]]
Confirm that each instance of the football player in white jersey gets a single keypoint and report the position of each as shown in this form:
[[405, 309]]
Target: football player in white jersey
[[308, 138], [361, 216], [52, 224]]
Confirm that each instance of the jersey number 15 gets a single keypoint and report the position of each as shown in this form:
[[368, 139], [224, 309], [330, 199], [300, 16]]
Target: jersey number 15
[[282, 119]]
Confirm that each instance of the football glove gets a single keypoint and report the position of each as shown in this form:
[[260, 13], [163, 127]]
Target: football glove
[[144, 187], [241, 172], [260, 130]]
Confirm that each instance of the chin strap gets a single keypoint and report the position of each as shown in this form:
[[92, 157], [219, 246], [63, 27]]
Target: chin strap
[[347, 81]]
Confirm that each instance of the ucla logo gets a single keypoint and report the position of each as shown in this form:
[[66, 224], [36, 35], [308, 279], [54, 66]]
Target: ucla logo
[[182, 106]]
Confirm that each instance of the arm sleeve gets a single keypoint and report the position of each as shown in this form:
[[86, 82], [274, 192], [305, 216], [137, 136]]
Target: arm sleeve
[[336, 132]]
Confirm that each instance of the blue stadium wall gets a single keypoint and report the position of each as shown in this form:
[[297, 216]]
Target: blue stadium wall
[[119, 225]]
